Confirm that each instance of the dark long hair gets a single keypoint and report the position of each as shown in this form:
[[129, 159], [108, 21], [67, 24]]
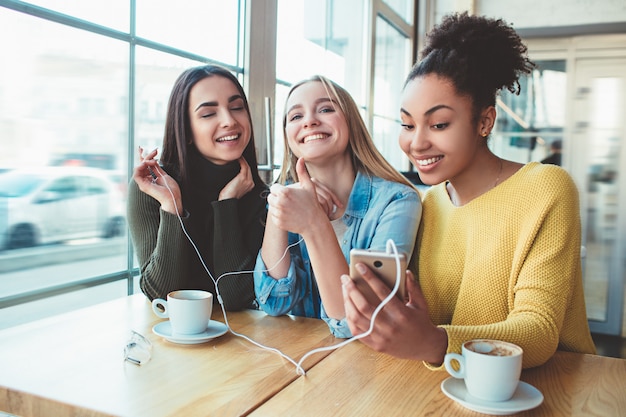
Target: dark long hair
[[177, 138]]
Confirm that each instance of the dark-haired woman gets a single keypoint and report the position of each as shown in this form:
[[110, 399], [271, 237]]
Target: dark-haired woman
[[498, 250], [206, 180]]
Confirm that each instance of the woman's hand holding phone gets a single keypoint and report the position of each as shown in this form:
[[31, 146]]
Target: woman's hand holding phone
[[384, 265]]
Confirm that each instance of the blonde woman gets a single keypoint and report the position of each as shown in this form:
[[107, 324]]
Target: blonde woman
[[335, 192]]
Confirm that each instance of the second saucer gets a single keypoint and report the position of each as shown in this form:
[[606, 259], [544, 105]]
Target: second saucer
[[526, 397], [214, 329]]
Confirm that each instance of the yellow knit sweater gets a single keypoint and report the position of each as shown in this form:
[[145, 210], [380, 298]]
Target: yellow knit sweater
[[507, 264]]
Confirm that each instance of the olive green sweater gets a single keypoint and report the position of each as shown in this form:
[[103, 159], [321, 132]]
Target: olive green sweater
[[227, 233], [507, 264]]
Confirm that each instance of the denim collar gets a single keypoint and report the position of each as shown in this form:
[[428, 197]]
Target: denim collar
[[360, 196]]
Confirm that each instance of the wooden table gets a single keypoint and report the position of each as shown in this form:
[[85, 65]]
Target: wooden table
[[356, 381], [71, 365]]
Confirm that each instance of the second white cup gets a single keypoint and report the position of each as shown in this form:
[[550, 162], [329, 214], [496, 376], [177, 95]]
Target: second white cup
[[491, 368], [189, 311]]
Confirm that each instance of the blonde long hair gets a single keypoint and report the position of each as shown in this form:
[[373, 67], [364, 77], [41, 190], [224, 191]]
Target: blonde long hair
[[365, 156]]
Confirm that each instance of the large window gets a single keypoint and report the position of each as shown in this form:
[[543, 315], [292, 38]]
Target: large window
[[80, 91], [85, 83]]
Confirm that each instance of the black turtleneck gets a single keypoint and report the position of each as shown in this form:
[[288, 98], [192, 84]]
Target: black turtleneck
[[227, 233]]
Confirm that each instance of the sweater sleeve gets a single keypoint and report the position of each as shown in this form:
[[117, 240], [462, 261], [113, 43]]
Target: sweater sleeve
[[236, 245], [159, 242]]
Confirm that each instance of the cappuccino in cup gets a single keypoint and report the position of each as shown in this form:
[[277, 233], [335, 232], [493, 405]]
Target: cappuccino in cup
[[491, 368], [492, 347]]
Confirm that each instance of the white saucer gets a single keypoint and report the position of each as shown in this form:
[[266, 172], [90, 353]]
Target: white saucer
[[214, 329], [525, 397]]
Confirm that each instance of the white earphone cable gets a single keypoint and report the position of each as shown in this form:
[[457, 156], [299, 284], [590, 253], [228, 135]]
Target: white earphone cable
[[391, 248]]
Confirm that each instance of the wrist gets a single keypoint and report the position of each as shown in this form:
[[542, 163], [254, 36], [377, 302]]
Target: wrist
[[439, 347], [172, 208], [316, 228]]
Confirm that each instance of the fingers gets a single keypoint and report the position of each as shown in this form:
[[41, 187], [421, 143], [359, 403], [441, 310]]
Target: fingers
[[416, 296], [378, 286], [274, 196], [143, 171], [143, 155], [245, 173], [244, 167], [324, 199], [279, 204], [241, 184], [322, 189], [146, 171], [149, 173], [303, 175], [358, 311], [327, 199]]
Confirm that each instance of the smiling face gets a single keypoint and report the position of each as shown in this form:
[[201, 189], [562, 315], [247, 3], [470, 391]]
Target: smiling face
[[219, 121], [315, 126], [439, 134]]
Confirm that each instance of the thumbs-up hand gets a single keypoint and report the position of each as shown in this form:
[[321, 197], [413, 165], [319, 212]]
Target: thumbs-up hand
[[304, 179], [326, 198], [295, 207]]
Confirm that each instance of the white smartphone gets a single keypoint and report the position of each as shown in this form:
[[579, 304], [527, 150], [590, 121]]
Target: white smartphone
[[383, 264]]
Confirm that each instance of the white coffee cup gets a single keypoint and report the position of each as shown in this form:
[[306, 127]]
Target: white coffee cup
[[189, 311], [491, 368]]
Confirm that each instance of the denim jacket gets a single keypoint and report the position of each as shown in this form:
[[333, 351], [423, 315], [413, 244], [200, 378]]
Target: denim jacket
[[377, 210]]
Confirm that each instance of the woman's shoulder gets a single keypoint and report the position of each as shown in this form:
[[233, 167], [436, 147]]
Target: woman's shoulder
[[385, 185], [544, 178], [371, 191]]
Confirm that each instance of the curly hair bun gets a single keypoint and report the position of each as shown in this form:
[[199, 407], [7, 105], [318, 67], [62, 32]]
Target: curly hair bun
[[479, 55]]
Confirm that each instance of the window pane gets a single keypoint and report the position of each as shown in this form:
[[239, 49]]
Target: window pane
[[204, 27], [156, 73], [321, 37], [392, 63], [605, 121], [279, 137], [318, 37], [528, 123], [112, 13], [403, 7], [61, 113]]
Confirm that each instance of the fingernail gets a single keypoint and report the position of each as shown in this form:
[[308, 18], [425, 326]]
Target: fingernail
[[361, 268], [345, 279]]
